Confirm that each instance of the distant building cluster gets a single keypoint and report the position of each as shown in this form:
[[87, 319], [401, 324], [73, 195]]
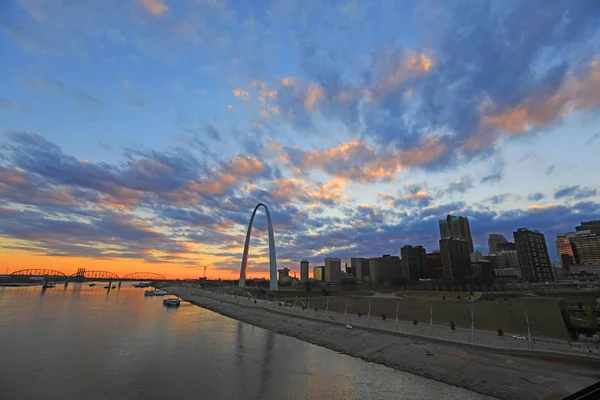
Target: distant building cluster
[[526, 258], [579, 251]]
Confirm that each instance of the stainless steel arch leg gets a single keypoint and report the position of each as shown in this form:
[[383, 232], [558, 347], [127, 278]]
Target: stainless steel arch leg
[[272, 253]]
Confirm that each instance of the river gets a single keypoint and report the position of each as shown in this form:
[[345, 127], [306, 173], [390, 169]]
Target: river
[[83, 342]]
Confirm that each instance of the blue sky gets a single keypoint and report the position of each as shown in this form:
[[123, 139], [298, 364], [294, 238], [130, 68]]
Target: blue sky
[[141, 133]]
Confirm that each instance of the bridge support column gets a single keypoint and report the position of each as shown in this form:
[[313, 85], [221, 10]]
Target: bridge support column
[[120, 284], [66, 284]]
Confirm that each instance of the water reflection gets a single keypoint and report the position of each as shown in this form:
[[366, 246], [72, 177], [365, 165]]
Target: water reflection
[[88, 342]]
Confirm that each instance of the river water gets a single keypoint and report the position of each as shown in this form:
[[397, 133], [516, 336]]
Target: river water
[[85, 343]]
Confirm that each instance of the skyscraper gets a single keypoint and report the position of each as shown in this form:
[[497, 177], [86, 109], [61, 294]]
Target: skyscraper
[[456, 228], [351, 265], [456, 261], [414, 262], [304, 267], [385, 269], [565, 249], [533, 255], [493, 241], [318, 274], [434, 265], [333, 269], [363, 271], [593, 226], [586, 247]]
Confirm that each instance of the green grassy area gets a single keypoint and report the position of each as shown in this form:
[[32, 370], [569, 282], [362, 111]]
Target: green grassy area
[[574, 298]]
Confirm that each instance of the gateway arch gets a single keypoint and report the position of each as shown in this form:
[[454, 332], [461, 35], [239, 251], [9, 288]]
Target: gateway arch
[[272, 256]]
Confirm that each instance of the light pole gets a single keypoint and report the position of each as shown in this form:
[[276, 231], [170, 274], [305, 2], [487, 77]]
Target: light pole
[[528, 330]]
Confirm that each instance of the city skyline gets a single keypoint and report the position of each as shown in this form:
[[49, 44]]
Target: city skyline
[[142, 138]]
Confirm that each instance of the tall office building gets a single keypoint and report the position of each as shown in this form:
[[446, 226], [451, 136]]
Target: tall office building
[[565, 249], [414, 262], [434, 265], [333, 269], [586, 247], [593, 226], [385, 269], [363, 271], [456, 261], [493, 241], [533, 255], [318, 273], [508, 246], [304, 267], [352, 264], [456, 228]]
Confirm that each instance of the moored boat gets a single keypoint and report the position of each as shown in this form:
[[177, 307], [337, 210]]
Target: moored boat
[[172, 302]]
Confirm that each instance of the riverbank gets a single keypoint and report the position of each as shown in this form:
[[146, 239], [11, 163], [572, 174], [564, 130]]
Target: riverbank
[[497, 375]]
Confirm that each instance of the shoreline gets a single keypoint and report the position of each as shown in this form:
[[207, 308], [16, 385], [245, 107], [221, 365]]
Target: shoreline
[[499, 375]]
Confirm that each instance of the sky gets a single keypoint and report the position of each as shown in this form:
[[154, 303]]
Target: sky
[[138, 135]]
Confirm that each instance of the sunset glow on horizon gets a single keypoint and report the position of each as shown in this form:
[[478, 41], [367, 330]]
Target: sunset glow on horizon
[[139, 135]]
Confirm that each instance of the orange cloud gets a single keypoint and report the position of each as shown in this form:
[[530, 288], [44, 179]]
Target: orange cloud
[[537, 207], [313, 93], [580, 91], [244, 95], [155, 7], [358, 161]]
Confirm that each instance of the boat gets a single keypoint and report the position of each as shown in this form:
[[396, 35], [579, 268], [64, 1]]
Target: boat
[[113, 287], [48, 286], [171, 302], [154, 293], [92, 284], [141, 285]]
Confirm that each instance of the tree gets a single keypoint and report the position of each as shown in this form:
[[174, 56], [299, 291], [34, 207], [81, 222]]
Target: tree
[[415, 321], [452, 326], [590, 317], [307, 285], [383, 317], [500, 332]]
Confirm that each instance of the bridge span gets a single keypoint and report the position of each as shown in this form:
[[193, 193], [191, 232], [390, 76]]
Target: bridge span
[[82, 275]]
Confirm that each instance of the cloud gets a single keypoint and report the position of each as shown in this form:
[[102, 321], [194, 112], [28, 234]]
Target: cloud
[[575, 192], [496, 175], [359, 161], [550, 170], [498, 198], [460, 185], [535, 196], [156, 7], [403, 99]]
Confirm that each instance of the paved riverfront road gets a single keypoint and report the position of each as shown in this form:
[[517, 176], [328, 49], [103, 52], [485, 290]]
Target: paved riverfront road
[[85, 343]]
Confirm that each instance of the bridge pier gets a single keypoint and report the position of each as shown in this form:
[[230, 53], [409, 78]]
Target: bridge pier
[[66, 284], [120, 284], [109, 284]]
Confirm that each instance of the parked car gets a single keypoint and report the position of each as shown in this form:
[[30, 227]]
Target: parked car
[[519, 337]]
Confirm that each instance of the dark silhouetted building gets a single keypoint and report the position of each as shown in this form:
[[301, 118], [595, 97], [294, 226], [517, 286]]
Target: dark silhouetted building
[[352, 264], [493, 241], [586, 247], [533, 255], [456, 260], [434, 265], [565, 249], [333, 270], [508, 246], [385, 269], [304, 268], [363, 271], [319, 273], [593, 226], [456, 228], [414, 262], [283, 273], [483, 271]]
